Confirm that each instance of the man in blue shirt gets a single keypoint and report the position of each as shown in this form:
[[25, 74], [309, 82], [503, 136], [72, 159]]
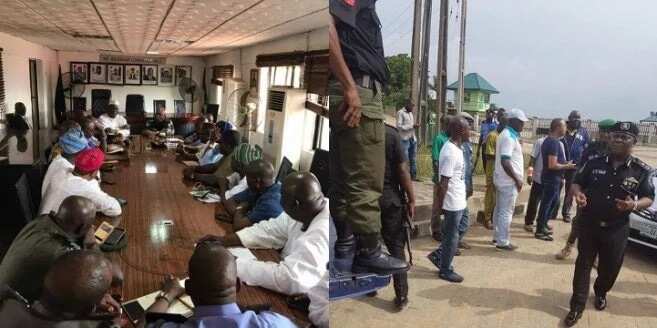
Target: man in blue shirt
[[212, 286], [575, 141], [487, 126], [262, 201]]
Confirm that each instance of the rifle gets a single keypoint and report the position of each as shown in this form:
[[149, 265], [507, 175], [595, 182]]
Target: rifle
[[408, 226]]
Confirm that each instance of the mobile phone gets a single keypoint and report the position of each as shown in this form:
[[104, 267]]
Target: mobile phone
[[115, 236], [103, 232], [133, 310]]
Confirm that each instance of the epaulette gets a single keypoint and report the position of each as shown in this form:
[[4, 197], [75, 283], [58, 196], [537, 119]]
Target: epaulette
[[642, 164]]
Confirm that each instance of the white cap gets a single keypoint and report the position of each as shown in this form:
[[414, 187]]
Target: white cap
[[517, 114]]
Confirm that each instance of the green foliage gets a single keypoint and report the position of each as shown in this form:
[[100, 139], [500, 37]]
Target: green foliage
[[399, 86]]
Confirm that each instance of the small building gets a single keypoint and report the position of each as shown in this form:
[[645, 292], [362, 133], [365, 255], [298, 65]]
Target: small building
[[477, 91], [652, 119]]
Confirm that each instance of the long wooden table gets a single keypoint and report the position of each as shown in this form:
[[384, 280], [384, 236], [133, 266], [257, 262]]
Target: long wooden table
[[152, 184]]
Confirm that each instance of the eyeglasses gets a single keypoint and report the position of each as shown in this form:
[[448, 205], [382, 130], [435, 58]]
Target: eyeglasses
[[624, 137]]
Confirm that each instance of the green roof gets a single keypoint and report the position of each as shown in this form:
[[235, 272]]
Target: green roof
[[474, 81]]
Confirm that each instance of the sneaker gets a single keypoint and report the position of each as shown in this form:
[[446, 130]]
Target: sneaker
[[451, 277], [543, 236], [464, 245], [509, 247], [529, 227], [564, 253], [434, 258]]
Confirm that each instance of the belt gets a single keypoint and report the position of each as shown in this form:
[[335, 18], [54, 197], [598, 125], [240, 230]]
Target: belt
[[368, 82]]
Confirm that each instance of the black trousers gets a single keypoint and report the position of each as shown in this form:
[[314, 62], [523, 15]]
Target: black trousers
[[609, 245], [394, 236], [535, 195], [569, 176]]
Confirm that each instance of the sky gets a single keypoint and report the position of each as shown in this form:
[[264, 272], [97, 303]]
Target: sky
[[548, 57]]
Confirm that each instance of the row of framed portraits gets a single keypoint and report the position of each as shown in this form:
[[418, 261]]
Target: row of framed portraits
[[128, 74]]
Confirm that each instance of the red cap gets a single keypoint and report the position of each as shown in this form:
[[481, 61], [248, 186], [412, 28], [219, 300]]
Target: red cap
[[89, 160]]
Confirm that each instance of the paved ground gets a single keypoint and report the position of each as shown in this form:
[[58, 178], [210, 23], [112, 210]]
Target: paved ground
[[525, 288]]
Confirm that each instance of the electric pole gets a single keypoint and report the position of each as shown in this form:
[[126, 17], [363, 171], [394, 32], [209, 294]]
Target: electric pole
[[464, 8], [424, 76], [416, 55], [441, 81]]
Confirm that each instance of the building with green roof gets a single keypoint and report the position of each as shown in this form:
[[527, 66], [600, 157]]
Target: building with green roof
[[476, 95]]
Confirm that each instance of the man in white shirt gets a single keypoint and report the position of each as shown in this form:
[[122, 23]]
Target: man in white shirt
[[451, 197], [71, 143], [508, 177], [114, 123], [406, 126], [82, 182], [302, 231]]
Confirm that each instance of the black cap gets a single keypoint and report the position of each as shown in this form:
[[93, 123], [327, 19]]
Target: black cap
[[626, 127]]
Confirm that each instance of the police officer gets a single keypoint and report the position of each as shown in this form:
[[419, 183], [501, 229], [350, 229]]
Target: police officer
[[357, 162], [607, 189], [595, 149], [397, 204]]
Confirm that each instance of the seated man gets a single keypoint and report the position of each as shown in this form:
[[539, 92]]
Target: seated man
[[302, 231], [44, 239], [261, 201], [115, 124], [95, 134], [18, 121], [211, 173], [70, 144], [75, 294], [159, 123], [82, 181], [213, 287], [235, 183]]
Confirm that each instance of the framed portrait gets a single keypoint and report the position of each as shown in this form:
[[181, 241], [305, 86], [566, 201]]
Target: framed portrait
[[79, 72], [97, 73], [166, 75], [183, 72], [115, 74], [132, 74], [149, 74]]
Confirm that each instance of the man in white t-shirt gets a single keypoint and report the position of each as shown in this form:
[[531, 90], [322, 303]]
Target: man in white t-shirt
[[451, 197], [114, 123], [81, 182], [508, 177]]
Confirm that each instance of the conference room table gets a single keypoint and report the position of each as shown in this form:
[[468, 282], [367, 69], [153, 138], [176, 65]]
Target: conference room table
[[163, 222]]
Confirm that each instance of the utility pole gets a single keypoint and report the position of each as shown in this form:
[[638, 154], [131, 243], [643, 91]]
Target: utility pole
[[416, 55], [442, 60], [464, 8], [424, 76]]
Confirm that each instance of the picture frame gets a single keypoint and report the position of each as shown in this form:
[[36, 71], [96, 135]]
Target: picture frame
[[132, 74], [97, 73], [79, 72], [166, 75], [253, 78], [149, 74], [183, 71], [115, 74]]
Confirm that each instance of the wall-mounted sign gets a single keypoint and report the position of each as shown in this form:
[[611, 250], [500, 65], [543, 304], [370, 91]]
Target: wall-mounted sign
[[131, 59]]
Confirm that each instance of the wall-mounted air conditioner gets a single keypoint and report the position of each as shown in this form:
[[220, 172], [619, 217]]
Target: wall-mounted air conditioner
[[284, 125]]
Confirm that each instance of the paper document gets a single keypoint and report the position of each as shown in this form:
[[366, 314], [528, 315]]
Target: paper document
[[242, 253], [182, 305], [190, 163]]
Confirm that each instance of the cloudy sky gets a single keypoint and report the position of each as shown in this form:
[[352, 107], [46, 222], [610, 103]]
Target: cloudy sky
[[549, 57]]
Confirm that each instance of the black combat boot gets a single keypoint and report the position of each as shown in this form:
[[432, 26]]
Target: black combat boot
[[371, 259]]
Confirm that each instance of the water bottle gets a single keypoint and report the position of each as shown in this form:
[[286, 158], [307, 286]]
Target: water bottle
[[170, 130]]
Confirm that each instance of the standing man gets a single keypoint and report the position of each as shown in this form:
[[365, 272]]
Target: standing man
[[595, 149], [554, 166], [606, 190], [451, 198], [508, 177], [406, 126], [398, 200], [490, 145], [469, 188], [487, 126], [438, 142], [358, 76], [575, 141], [534, 172]]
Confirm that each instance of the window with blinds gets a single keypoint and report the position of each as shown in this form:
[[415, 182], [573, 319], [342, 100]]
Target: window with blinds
[[2, 84], [222, 72]]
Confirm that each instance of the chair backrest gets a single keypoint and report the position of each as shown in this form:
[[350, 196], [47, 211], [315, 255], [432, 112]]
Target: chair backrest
[[284, 170], [25, 198], [159, 103], [320, 168], [180, 107], [80, 103], [100, 98], [214, 110], [134, 104]]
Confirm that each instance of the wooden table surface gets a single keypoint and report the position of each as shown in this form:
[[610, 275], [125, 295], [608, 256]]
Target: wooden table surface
[[153, 186]]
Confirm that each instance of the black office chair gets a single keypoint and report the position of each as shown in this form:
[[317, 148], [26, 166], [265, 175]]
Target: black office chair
[[25, 198], [159, 103], [134, 104], [284, 170], [320, 168], [100, 98], [214, 110]]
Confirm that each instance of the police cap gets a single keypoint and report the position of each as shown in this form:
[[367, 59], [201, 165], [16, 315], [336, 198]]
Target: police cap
[[626, 127]]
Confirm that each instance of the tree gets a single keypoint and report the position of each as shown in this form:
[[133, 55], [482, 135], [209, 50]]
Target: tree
[[399, 85]]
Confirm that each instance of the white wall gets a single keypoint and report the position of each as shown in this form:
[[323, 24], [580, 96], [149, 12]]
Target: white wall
[[150, 93], [15, 56]]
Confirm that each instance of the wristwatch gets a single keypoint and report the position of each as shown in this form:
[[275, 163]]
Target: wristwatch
[[163, 295]]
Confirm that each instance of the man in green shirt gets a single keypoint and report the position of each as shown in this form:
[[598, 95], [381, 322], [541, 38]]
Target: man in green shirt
[[43, 240], [438, 142]]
